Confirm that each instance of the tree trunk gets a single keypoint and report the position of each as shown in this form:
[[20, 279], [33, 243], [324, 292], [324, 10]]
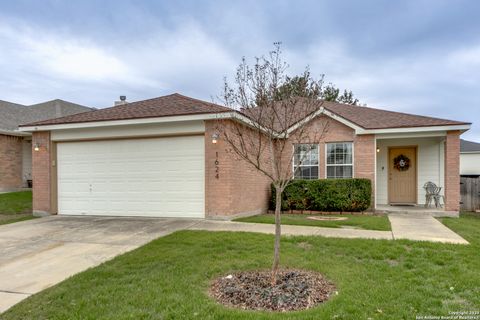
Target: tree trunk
[[276, 255]]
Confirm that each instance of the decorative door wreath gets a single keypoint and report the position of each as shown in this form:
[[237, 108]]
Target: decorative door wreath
[[401, 163]]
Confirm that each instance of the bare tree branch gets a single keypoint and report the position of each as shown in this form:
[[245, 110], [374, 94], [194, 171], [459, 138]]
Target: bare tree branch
[[268, 141]]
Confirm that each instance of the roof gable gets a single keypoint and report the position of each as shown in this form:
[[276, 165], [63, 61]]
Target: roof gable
[[371, 118]]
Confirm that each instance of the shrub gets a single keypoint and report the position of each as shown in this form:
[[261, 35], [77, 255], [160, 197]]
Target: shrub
[[326, 195]]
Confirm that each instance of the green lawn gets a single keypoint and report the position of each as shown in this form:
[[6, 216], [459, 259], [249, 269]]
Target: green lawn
[[169, 278], [15, 206], [369, 222]]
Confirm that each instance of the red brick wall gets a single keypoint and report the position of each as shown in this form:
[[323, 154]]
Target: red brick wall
[[242, 189], [452, 171], [239, 188], [364, 159], [10, 162], [41, 173]]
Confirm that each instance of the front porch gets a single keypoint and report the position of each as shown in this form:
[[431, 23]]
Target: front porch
[[416, 210], [404, 163]]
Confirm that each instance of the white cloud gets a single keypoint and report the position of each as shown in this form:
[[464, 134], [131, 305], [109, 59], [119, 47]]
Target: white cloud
[[60, 55], [183, 59]]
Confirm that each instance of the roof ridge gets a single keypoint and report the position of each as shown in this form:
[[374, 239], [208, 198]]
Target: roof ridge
[[172, 104], [199, 100]]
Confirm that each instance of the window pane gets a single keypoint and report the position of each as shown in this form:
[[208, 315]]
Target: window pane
[[348, 159], [339, 158], [338, 172], [347, 172], [307, 173], [314, 172], [330, 172], [305, 158], [348, 148], [330, 147], [330, 158]]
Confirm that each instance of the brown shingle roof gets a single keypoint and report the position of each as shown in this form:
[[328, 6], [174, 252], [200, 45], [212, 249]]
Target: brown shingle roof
[[171, 105], [177, 104], [364, 117], [370, 118]]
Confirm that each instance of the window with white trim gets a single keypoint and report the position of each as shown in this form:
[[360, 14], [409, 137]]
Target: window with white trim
[[339, 160], [305, 161]]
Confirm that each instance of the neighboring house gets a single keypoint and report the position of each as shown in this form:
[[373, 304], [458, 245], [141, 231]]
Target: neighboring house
[[158, 158], [16, 146], [469, 158]]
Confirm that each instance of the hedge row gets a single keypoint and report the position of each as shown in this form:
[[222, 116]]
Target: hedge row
[[326, 195]]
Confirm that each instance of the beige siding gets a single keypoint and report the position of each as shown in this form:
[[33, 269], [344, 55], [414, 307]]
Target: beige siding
[[430, 161], [469, 163]]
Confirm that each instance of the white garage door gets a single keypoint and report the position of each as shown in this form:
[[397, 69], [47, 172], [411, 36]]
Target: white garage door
[[160, 177]]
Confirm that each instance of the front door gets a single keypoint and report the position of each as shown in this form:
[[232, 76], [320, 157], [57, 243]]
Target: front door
[[402, 175]]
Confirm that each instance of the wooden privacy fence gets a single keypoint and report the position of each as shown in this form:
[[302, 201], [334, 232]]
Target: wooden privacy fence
[[470, 193]]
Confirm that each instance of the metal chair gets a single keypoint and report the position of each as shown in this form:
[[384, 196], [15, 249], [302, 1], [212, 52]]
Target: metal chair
[[432, 192]]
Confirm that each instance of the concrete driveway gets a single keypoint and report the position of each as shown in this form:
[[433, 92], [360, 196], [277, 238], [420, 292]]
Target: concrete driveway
[[37, 254]]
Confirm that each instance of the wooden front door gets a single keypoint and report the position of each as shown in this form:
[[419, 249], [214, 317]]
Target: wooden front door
[[402, 175]]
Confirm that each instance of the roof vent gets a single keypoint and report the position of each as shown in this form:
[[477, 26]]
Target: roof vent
[[123, 100]]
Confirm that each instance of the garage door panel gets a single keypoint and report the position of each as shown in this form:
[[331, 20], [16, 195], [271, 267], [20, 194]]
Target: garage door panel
[[161, 177]]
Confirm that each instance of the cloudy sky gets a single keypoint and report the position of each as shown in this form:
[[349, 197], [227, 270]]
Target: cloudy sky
[[413, 56]]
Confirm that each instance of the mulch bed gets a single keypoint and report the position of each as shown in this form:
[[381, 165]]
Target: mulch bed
[[252, 290]]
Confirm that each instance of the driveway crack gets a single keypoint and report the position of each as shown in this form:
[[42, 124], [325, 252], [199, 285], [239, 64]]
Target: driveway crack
[[15, 292]]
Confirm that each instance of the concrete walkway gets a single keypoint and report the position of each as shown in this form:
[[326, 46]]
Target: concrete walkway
[[212, 225], [404, 226], [422, 227]]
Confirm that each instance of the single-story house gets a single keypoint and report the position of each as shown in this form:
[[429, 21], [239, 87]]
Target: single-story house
[[16, 146], [469, 158], [157, 158]]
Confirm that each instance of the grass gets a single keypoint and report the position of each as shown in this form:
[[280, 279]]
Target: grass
[[368, 222], [169, 278], [15, 207]]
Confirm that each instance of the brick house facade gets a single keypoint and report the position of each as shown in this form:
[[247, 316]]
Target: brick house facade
[[10, 162], [230, 185]]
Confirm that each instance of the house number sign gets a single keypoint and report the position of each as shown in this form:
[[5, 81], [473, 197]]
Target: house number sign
[[216, 166]]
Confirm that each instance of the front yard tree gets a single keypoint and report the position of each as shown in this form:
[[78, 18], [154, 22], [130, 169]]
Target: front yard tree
[[303, 86], [270, 127]]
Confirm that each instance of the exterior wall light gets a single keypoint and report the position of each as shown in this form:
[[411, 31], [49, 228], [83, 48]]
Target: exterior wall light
[[36, 147], [378, 150], [215, 137]]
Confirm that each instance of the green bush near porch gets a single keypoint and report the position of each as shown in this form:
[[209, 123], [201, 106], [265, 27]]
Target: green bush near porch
[[330, 195]]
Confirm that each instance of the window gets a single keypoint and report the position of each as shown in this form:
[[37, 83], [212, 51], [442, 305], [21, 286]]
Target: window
[[339, 160], [305, 161]]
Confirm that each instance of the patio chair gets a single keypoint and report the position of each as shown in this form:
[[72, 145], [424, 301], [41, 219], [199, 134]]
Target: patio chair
[[432, 192]]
